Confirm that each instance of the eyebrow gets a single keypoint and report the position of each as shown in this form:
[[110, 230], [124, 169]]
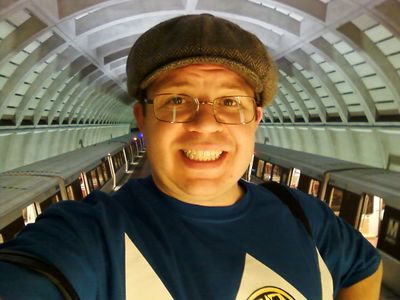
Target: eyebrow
[[186, 83], [178, 83]]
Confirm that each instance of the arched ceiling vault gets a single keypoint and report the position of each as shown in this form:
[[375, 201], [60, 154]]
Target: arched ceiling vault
[[62, 62]]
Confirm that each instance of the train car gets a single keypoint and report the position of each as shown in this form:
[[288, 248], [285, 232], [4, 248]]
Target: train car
[[374, 208], [22, 196], [28, 190], [366, 197], [297, 169]]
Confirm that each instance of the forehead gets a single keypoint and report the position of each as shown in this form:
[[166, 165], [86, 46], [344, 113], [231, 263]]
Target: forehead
[[201, 74]]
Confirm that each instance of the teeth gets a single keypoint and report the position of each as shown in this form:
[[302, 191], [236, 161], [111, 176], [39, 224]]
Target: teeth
[[201, 155]]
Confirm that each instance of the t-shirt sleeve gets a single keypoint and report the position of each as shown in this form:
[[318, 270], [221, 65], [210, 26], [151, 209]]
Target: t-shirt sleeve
[[347, 254], [66, 236], [21, 283]]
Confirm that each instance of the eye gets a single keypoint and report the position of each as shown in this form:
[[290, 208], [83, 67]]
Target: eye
[[176, 100], [229, 102]]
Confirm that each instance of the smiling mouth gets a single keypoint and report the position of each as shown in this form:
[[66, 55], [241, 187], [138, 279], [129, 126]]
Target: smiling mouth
[[203, 155]]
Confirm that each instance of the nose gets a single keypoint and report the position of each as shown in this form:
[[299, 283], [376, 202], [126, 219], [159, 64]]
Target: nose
[[204, 120]]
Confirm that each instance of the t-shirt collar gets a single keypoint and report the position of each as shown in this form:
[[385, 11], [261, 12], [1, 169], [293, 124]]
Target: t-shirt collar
[[208, 213]]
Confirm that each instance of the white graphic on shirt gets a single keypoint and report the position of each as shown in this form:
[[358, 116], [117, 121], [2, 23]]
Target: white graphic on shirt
[[142, 282], [326, 279], [257, 275]]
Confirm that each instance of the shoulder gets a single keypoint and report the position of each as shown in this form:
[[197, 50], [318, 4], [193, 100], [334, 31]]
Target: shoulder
[[348, 255], [307, 202], [315, 209], [325, 225], [75, 209]]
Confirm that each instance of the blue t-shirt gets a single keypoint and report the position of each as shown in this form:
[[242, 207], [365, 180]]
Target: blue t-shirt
[[140, 243]]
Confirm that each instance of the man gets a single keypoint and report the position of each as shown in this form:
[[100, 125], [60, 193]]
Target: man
[[193, 230]]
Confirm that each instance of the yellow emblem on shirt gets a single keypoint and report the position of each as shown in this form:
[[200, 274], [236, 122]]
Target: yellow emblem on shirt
[[270, 293]]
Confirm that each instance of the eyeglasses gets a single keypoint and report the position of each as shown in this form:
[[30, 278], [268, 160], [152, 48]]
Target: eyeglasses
[[181, 108]]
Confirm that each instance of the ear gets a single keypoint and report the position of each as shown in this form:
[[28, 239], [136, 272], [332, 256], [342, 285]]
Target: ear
[[259, 114], [138, 113]]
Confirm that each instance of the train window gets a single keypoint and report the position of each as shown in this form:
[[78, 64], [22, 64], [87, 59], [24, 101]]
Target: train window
[[120, 156], [314, 187], [132, 152], [57, 197], [106, 169], [11, 230], [309, 185], [371, 217], [83, 185], [49, 201], [346, 205], [89, 181], [260, 167], [294, 178], [255, 163], [129, 154], [115, 162], [135, 148], [29, 214], [276, 174], [267, 171], [120, 159], [38, 209], [100, 175], [335, 200], [70, 192], [304, 183], [351, 207], [113, 159], [280, 174], [132, 146], [95, 180], [74, 190], [285, 175]]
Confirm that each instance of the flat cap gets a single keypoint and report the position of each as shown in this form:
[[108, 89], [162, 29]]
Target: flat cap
[[196, 39]]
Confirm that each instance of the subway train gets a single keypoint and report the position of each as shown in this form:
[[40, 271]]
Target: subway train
[[366, 197], [28, 190]]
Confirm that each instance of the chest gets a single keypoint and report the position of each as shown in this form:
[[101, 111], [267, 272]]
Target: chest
[[250, 259]]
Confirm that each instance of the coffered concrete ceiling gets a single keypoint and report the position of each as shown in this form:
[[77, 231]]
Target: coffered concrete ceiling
[[62, 65]]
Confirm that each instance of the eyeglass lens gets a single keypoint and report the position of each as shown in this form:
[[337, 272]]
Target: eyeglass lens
[[175, 108]]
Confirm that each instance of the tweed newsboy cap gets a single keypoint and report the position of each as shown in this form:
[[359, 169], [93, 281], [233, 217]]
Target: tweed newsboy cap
[[196, 39]]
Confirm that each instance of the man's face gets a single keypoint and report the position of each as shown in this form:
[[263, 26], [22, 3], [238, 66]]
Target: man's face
[[177, 152]]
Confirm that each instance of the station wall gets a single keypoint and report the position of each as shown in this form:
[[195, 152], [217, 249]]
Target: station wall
[[374, 146], [22, 147]]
